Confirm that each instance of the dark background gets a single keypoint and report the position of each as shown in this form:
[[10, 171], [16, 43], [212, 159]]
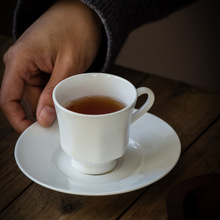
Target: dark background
[[6, 16]]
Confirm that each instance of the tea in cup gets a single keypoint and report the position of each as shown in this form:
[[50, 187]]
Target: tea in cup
[[95, 105], [94, 112]]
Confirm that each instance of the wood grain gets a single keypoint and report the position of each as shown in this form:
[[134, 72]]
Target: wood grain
[[12, 181], [203, 157], [188, 109], [40, 203], [193, 112]]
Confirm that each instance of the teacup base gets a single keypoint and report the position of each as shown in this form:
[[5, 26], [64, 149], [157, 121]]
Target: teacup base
[[93, 169]]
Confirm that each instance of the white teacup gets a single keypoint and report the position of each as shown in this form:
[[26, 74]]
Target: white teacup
[[95, 142]]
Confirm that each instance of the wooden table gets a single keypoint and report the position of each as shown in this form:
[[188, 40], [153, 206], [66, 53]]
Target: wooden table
[[192, 112]]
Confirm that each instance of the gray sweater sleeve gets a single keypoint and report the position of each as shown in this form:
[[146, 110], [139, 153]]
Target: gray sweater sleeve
[[118, 17]]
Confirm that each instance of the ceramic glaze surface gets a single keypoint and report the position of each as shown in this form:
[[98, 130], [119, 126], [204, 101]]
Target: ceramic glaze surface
[[152, 152]]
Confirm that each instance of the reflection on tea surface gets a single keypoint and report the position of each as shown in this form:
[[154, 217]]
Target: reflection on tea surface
[[94, 105]]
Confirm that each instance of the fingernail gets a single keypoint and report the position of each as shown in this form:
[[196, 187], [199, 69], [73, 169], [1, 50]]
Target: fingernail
[[47, 116]]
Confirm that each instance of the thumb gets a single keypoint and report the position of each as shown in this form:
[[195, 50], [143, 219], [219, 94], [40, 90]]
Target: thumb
[[45, 110], [46, 113]]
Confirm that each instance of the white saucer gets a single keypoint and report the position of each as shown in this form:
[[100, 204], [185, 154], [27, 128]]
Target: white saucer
[[153, 151]]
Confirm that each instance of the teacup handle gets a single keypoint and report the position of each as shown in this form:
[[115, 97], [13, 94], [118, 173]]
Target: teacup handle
[[146, 106]]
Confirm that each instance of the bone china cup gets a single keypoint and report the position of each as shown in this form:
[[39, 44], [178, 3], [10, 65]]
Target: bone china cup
[[95, 142]]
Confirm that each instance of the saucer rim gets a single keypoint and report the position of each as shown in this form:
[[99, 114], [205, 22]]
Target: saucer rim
[[104, 193]]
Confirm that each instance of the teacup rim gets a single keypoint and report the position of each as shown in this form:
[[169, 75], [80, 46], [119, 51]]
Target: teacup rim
[[127, 108]]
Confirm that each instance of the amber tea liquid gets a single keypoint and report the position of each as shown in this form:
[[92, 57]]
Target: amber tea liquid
[[95, 105]]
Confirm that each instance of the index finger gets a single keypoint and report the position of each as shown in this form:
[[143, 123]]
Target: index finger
[[12, 91]]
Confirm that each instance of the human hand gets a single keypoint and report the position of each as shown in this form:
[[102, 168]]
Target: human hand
[[64, 41]]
